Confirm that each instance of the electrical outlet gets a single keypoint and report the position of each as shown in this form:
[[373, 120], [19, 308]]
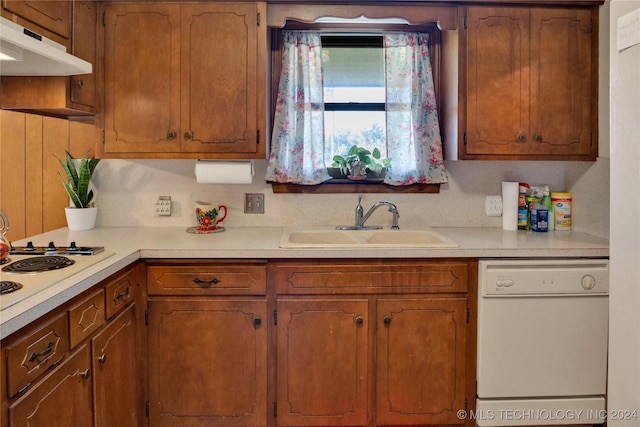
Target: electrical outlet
[[254, 203], [163, 206], [493, 206]]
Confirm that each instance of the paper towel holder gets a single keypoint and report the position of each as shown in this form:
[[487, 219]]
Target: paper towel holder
[[209, 171]]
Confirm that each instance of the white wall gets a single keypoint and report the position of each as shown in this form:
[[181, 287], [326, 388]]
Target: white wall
[[624, 322], [127, 190]]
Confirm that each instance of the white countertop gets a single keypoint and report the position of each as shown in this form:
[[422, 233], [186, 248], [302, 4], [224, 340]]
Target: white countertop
[[132, 243]]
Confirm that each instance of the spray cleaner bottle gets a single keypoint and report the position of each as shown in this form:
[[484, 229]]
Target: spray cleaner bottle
[[546, 201]]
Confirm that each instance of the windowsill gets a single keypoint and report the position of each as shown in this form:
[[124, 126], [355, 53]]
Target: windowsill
[[349, 186]]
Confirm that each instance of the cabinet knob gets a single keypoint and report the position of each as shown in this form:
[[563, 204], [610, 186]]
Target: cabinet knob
[[86, 374], [80, 83], [521, 137], [188, 135], [102, 358], [386, 320], [257, 321], [539, 137], [359, 320], [171, 134]]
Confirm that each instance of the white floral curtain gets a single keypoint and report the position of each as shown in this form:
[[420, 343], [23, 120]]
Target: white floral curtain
[[297, 143], [413, 133]]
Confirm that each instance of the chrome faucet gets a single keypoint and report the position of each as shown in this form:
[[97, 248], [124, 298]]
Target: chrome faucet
[[362, 217]]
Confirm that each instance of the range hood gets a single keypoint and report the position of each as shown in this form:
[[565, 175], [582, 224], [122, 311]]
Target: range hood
[[25, 53]]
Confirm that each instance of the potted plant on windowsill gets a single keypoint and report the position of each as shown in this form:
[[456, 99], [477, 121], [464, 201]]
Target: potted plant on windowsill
[[360, 164], [81, 215]]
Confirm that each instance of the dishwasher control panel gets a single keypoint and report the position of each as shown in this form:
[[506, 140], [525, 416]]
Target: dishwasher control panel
[[543, 276]]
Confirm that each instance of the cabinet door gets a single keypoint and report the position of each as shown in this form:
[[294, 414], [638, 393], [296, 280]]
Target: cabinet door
[[561, 82], [497, 90], [207, 362], [142, 78], [116, 375], [322, 362], [221, 67], [54, 16], [62, 399], [421, 355], [83, 45]]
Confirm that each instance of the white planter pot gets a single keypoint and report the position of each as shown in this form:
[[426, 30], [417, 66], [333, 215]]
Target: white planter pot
[[79, 219]]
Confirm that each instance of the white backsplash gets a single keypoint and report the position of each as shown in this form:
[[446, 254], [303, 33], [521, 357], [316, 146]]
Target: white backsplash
[[128, 189]]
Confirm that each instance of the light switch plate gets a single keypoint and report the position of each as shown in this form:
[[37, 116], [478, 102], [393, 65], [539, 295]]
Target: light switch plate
[[254, 203], [493, 206]]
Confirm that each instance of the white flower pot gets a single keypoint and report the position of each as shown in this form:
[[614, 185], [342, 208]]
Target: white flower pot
[[79, 219]]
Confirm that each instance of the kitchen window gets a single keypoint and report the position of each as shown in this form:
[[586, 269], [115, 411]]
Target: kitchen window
[[381, 85]]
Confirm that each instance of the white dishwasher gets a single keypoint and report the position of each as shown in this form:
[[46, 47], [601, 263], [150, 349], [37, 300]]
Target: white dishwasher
[[542, 341]]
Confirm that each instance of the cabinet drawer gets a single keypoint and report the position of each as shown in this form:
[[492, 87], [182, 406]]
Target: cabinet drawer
[[36, 353], [227, 279], [379, 276], [119, 293], [86, 317]]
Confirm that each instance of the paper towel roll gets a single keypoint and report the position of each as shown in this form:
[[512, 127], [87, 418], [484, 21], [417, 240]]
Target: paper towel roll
[[510, 193], [221, 172]]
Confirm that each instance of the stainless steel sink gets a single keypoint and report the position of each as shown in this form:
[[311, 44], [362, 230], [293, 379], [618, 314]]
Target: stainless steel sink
[[325, 237]]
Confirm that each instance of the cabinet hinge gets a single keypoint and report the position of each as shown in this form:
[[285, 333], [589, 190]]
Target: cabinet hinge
[[275, 317], [103, 137], [591, 140], [468, 314], [465, 22], [104, 19], [146, 317], [146, 408], [258, 136], [258, 19], [464, 138], [275, 408]]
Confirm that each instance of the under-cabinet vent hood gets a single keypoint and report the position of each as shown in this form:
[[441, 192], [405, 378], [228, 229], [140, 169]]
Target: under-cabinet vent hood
[[25, 53]]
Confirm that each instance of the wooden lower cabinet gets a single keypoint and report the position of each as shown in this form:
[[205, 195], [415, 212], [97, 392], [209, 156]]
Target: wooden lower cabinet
[[115, 382], [322, 362], [420, 360], [62, 399], [207, 362], [373, 342], [78, 366]]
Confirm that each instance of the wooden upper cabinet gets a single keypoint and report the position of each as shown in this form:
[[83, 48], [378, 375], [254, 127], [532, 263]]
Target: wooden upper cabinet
[[185, 80], [82, 91], [54, 16], [72, 24], [528, 79], [142, 65]]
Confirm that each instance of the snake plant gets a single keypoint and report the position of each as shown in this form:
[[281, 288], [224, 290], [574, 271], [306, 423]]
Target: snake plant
[[77, 183]]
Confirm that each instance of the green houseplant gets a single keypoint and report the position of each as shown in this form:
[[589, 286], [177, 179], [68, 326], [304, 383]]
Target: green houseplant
[[82, 215], [359, 160]]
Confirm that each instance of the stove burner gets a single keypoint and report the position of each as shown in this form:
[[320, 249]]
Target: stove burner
[[38, 263], [4, 261], [7, 286]]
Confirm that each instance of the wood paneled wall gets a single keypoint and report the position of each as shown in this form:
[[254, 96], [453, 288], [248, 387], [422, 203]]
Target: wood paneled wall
[[31, 193]]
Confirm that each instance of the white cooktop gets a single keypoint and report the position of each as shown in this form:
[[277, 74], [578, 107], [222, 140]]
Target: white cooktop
[[32, 283]]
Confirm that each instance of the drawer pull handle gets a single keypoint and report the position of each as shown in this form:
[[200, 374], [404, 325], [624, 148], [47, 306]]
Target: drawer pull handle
[[201, 282], [359, 320], [86, 374], [386, 320], [44, 352], [123, 293], [102, 358]]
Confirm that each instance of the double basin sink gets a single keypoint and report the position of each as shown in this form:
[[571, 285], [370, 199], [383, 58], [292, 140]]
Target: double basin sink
[[298, 238]]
